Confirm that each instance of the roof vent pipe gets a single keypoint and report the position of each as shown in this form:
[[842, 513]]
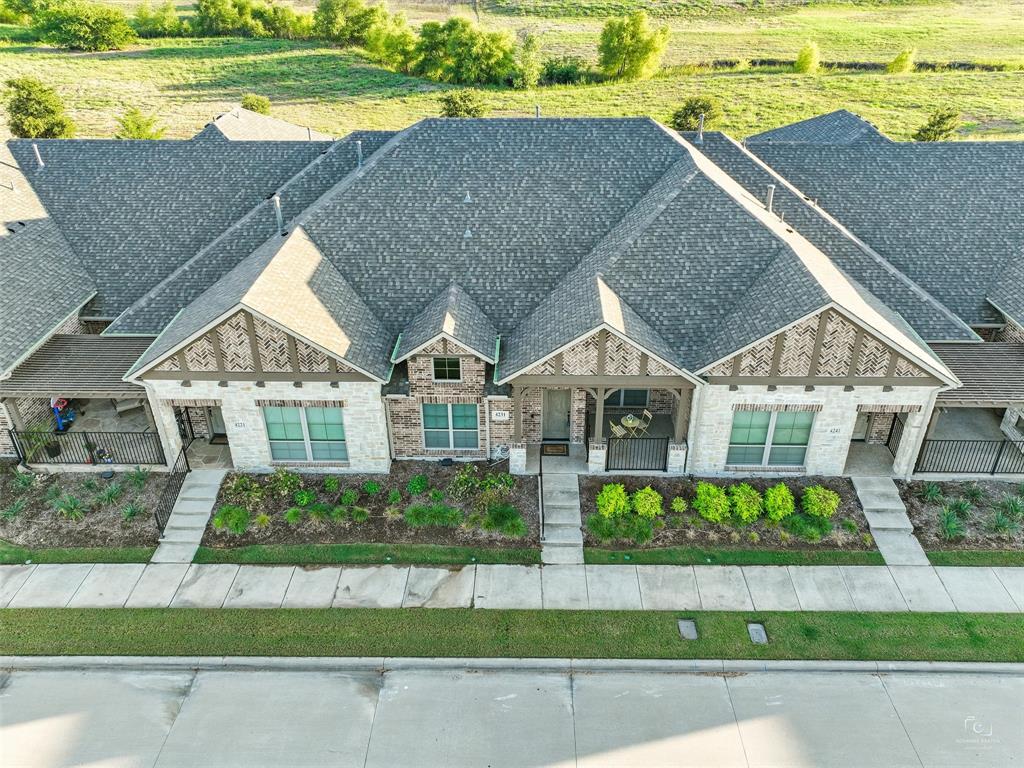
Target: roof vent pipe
[[700, 129], [359, 154], [771, 197], [278, 214], [536, 111], [39, 158]]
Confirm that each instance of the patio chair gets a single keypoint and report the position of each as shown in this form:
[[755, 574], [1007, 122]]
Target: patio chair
[[616, 430], [645, 423]]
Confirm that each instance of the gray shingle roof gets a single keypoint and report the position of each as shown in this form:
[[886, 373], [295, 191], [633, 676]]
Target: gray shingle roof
[[839, 127], [930, 318], [244, 125], [452, 313], [1007, 290], [948, 215], [78, 365], [990, 372], [136, 210]]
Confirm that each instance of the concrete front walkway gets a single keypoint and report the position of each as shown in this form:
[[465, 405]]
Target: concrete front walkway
[[887, 517], [581, 587], [191, 513]]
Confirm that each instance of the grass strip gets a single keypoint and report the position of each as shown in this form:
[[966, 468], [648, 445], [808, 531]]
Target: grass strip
[[977, 557], [11, 554], [510, 634], [700, 556], [365, 554]]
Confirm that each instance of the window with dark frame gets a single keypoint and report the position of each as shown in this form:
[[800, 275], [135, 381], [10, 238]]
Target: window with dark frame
[[770, 438], [627, 398], [447, 369], [450, 425]]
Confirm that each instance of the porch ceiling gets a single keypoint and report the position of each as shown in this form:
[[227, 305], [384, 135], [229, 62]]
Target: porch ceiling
[[78, 365], [992, 373]]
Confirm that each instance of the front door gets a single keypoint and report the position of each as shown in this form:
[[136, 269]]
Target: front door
[[860, 427], [215, 420], [556, 414]]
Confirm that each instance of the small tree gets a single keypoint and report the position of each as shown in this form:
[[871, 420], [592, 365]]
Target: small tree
[[903, 63], [134, 124], [528, 64], [458, 51], [35, 111], [346, 21], [808, 60], [392, 43], [161, 22], [630, 49], [940, 126], [256, 103], [687, 117], [463, 104], [83, 26], [215, 17]]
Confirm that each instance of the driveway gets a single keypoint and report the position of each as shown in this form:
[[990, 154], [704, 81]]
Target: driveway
[[430, 717]]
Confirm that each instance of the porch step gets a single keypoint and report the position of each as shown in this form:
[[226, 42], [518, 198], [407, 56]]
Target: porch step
[[900, 548], [562, 482], [887, 516], [562, 514], [870, 484], [561, 554], [555, 496], [194, 506], [174, 553], [888, 521], [180, 537], [199, 491], [882, 502], [559, 533]]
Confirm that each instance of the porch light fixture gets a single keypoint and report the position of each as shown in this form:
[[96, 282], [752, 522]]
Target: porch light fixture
[[261, 384], [297, 384], [887, 388], [734, 387], [222, 383], [809, 388], [334, 385], [186, 383], [848, 388], [772, 387]]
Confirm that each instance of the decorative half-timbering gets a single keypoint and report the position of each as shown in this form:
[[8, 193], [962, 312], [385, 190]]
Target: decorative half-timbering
[[827, 346], [601, 354]]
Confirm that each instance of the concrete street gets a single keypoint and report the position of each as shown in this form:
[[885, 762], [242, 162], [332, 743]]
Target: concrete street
[[535, 715]]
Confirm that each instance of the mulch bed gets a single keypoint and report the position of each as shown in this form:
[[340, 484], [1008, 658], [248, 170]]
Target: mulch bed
[[378, 529], [690, 530], [39, 526], [925, 516]]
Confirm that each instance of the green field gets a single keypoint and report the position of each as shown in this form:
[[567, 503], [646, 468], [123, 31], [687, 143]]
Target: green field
[[187, 82]]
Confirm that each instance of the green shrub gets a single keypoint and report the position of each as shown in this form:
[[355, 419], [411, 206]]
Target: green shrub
[[528, 64], [318, 512], [392, 512], [940, 126], [629, 48], [808, 61], [930, 493], [819, 501], [137, 478], [687, 117], [647, 503], [70, 508], [679, 505], [612, 500], [134, 124], [441, 515], [262, 520], [23, 481], [13, 510], [465, 483], [566, 70], [346, 21], [849, 526], [973, 492], [339, 513], [711, 503], [1012, 507], [960, 507], [111, 493], [293, 515], [436, 494], [459, 51], [349, 497], [83, 26], [332, 484], [35, 111], [464, 103], [394, 496], [950, 525], [808, 527], [903, 63], [231, 517], [604, 528], [417, 484], [54, 492], [304, 497], [243, 491], [779, 503], [163, 21], [745, 503], [359, 514], [131, 510], [1003, 524], [371, 487], [501, 481], [256, 103], [283, 483], [392, 43], [505, 519]]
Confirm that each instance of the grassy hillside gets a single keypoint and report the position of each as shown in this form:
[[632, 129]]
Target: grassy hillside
[[186, 82]]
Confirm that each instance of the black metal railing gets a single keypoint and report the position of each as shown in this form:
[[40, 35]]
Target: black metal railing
[[892, 442], [129, 448], [175, 479], [643, 453], [981, 457]]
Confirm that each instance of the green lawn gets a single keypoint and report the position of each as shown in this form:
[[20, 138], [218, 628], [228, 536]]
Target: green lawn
[[698, 556], [977, 558], [11, 554], [397, 554], [187, 82], [468, 632]]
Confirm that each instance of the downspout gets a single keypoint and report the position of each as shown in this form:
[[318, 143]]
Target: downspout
[[384, 401]]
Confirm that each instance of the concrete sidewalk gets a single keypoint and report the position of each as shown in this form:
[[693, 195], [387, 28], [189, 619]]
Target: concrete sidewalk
[[579, 587]]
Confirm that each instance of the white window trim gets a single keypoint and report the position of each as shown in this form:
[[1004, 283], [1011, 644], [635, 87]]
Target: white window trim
[[451, 429], [621, 393], [433, 369], [768, 443], [306, 441]]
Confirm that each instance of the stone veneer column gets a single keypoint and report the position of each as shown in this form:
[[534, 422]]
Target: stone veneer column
[[517, 459], [596, 459], [676, 459], [162, 414]]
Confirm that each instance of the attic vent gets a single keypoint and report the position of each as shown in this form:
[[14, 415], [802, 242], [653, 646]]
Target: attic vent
[[39, 158], [771, 197], [468, 198], [467, 234], [359, 154], [700, 129], [278, 214]]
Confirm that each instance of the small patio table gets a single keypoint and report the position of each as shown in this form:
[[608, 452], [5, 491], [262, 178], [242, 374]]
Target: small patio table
[[630, 422]]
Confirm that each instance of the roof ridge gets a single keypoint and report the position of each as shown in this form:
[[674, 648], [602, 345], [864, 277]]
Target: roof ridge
[[887, 265]]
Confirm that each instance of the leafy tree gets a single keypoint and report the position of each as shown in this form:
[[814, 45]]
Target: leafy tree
[[160, 22], [9, 15], [22, 8], [687, 117], [566, 70], [940, 126], [528, 64], [630, 49], [256, 103], [903, 63], [346, 21], [83, 26], [35, 111], [463, 104], [392, 43], [215, 17], [280, 21], [808, 60], [460, 52], [134, 124]]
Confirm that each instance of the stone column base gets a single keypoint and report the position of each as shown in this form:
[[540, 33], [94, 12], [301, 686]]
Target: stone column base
[[517, 459], [597, 457], [676, 459]]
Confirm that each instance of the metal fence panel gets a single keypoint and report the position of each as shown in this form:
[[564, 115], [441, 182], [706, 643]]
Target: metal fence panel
[[980, 457], [643, 453], [129, 448]]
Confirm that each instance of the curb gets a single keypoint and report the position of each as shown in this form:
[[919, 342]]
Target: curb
[[380, 665]]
